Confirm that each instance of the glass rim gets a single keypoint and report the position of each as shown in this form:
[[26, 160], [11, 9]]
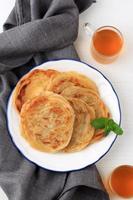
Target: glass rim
[[111, 27]]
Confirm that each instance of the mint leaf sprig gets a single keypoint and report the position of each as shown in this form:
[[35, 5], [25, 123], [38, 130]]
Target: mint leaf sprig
[[108, 125]]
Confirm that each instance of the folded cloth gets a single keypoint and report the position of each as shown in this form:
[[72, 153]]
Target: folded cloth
[[37, 31], [83, 4]]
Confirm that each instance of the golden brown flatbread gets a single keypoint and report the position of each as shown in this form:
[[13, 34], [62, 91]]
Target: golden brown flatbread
[[87, 95], [82, 131], [101, 110], [67, 79], [31, 85], [47, 122], [98, 135], [56, 109]]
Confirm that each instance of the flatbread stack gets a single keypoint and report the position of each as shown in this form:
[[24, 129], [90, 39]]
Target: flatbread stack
[[56, 109]]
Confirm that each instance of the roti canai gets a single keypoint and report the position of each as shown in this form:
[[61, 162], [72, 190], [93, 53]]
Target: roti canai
[[47, 122], [82, 131], [67, 79], [31, 85]]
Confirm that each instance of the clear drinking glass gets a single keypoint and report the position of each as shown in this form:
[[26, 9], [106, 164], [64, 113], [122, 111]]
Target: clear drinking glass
[[106, 42], [121, 181]]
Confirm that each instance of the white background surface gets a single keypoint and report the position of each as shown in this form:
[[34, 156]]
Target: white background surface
[[118, 13]]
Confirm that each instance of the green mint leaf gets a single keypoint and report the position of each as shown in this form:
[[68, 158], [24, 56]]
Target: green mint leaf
[[118, 131], [107, 130], [115, 127], [99, 123], [108, 125], [111, 123]]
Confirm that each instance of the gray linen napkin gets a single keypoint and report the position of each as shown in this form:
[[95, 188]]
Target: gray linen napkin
[[37, 31]]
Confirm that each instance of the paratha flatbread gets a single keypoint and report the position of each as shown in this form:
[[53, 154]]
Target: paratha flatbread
[[67, 79], [32, 85], [48, 119], [82, 131], [98, 135], [101, 111], [88, 95], [47, 122]]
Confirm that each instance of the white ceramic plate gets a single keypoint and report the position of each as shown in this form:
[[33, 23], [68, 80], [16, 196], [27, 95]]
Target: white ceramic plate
[[68, 161]]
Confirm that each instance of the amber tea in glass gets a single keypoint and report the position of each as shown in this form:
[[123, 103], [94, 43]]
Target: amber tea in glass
[[121, 181], [106, 43]]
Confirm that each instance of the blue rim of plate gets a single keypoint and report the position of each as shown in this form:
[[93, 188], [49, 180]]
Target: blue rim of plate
[[118, 101]]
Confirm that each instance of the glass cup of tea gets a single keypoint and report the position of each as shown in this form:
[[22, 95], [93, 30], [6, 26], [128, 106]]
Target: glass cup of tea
[[121, 181], [106, 43]]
